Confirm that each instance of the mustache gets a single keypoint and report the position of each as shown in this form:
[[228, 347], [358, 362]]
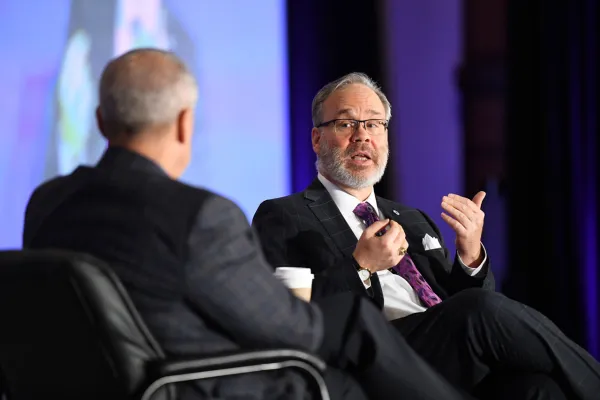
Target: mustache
[[362, 148]]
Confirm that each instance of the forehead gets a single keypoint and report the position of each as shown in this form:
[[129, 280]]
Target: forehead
[[353, 99]]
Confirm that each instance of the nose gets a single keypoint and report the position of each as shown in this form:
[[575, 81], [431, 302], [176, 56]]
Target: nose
[[361, 134]]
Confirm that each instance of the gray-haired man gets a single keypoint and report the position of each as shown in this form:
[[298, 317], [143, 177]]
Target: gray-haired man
[[447, 311]]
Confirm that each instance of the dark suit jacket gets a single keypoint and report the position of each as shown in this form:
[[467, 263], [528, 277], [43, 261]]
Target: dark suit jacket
[[307, 229], [188, 258]]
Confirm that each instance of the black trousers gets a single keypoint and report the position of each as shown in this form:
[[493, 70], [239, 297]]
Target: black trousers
[[519, 386], [477, 332], [359, 341], [531, 386]]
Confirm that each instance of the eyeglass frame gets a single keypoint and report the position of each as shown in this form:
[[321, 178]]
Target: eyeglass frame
[[358, 122]]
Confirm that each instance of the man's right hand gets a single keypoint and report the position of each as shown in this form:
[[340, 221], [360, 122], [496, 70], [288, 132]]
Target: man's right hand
[[377, 253]]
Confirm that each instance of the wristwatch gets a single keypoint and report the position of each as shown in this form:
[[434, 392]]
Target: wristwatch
[[363, 273]]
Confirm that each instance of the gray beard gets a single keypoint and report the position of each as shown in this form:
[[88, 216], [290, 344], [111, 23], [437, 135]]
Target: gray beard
[[330, 163]]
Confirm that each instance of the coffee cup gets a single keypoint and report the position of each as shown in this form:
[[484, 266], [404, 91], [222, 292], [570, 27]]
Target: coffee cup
[[298, 280]]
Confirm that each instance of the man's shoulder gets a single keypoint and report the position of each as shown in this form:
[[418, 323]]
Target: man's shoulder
[[208, 207], [291, 198], [294, 198], [218, 204], [396, 205], [53, 184], [141, 185], [313, 192], [403, 211], [53, 188], [284, 208], [146, 184]]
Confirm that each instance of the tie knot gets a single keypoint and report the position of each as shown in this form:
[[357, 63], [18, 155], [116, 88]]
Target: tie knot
[[366, 213], [363, 207]]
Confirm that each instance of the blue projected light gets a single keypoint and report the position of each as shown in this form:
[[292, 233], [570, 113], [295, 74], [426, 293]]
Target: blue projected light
[[235, 49]]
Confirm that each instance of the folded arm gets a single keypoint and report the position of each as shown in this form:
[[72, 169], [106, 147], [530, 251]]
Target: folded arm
[[229, 281]]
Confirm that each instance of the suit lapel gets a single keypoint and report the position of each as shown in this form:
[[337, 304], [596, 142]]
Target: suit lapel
[[325, 210], [388, 210]]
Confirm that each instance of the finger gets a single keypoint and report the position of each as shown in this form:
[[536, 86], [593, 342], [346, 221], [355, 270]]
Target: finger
[[401, 245], [469, 208], [478, 199], [398, 248], [463, 201], [474, 204], [375, 227], [458, 215], [392, 233], [454, 224], [462, 205], [400, 240]]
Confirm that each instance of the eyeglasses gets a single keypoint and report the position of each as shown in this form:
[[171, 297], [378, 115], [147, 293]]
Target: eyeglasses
[[349, 126]]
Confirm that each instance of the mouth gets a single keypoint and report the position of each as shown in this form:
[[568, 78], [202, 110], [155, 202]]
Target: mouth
[[360, 156]]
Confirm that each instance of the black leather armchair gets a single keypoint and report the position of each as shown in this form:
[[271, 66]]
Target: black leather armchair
[[69, 330]]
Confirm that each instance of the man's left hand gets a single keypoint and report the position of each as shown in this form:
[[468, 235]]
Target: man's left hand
[[465, 217]]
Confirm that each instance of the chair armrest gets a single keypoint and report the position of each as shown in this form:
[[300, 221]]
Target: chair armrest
[[237, 359], [185, 370]]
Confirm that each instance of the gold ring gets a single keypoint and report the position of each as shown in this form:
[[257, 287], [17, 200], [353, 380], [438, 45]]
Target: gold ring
[[402, 251]]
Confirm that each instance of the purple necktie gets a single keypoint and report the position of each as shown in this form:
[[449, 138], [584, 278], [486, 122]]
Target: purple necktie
[[406, 268]]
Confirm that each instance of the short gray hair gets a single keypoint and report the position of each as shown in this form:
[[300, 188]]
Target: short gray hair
[[145, 88], [349, 79]]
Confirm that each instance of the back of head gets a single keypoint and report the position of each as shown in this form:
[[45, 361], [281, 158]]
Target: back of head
[[146, 94]]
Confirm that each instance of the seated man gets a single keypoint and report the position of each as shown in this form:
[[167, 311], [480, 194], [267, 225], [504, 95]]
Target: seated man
[[190, 261], [354, 241]]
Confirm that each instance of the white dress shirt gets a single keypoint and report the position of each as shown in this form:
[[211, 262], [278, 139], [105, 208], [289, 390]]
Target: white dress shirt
[[400, 299]]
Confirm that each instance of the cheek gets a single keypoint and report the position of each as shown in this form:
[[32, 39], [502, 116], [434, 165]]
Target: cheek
[[380, 144], [336, 144], [341, 144], [333, 144]]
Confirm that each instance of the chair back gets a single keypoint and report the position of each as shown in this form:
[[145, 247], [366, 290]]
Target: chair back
[[69, 330]]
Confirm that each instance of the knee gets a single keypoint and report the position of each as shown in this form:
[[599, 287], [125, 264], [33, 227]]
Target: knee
[[542, 386], [502, 385], [477, 301]]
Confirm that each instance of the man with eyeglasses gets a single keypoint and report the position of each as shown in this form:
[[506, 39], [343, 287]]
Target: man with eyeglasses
[[355, 241]]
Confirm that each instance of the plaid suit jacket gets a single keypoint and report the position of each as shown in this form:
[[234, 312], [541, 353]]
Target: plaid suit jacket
[[188, 258], [306, 229]]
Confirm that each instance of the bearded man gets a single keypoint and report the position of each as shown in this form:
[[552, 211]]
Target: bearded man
[[355, 241]]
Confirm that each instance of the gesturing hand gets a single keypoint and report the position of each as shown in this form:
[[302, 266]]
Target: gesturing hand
[[465, 217], [377, 253]]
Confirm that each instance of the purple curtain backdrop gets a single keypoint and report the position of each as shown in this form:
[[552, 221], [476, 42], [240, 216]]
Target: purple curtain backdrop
[[583, 73], [424, 50]]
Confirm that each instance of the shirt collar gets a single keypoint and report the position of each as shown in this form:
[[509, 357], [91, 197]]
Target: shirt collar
[[345, 202]]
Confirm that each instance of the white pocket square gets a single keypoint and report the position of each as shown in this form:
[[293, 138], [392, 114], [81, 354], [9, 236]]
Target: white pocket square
[[430, 243]]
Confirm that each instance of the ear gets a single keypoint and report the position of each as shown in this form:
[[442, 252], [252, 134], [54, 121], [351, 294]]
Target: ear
[[100, 122], [316, 139], [185, 126]]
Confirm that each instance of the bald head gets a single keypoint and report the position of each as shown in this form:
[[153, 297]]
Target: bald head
[[143, 90]]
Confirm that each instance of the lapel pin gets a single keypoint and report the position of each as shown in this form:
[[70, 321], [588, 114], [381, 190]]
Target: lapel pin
[[396, 212]]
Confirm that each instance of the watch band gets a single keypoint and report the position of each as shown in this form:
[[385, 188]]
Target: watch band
[[363, 273]]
